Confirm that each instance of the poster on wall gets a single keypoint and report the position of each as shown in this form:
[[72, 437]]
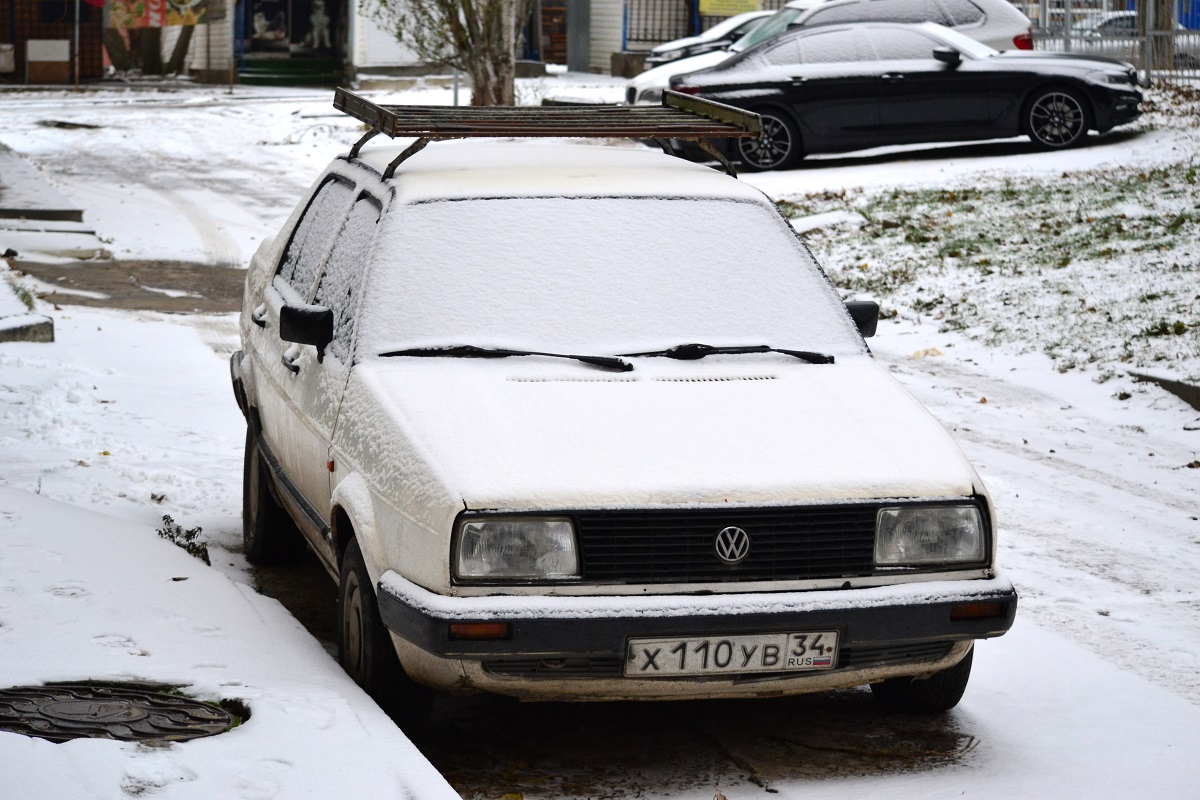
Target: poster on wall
[[128, 14], [727, 8]]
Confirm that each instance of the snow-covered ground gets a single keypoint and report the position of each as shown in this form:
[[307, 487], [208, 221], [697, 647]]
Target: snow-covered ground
[[129, 416]]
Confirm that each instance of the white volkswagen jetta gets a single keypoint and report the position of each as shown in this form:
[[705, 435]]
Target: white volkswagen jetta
[[570, 421]]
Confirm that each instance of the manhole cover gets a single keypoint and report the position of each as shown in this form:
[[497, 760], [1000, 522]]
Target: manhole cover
[[61, 713]]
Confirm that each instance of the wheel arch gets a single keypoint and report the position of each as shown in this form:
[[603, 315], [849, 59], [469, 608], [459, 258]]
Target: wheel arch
[[352, 516], [1058, 83]]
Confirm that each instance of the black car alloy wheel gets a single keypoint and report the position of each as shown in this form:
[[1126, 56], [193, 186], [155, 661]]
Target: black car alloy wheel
[[1057, 118], [776, 148]]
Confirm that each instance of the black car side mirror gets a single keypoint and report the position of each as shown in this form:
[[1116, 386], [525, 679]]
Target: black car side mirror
[[947, 55], [307, 325], [865, 314]]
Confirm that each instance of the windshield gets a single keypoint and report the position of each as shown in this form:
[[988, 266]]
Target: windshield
[[599, 276], [770, 26]]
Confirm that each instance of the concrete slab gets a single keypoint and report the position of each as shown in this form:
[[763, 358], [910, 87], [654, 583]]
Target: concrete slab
[[26, 194]]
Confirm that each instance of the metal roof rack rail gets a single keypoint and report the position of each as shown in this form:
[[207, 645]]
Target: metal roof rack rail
[[680, 116]]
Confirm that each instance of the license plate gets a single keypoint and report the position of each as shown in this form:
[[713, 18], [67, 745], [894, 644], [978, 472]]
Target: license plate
[[731, 655]]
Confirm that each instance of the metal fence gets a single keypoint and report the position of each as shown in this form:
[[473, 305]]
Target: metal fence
[[1157, 37]]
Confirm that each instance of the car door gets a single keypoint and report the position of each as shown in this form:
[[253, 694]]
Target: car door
[[831, 87], [289, 377], [922, 99]]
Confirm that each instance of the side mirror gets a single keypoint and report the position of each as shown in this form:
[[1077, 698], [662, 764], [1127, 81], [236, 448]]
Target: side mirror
[[865, 314], [947, 55], [307, 325]]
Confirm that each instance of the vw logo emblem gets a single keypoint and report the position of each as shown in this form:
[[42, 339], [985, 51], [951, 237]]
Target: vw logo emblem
[[732, 545]]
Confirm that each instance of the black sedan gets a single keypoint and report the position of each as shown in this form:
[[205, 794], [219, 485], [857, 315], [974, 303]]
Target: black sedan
[[839, 88]]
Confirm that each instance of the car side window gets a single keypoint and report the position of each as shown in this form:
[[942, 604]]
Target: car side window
[[961, 12], [900, 45], [314, 234], [1119, 26], [786, 52], [837, 46], [879, 11], [337, 290]]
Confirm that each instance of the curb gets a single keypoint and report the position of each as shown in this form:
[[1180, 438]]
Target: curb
[[26, 328], [1187, 392]]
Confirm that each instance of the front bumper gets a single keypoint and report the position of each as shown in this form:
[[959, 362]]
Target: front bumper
[[576, 645]]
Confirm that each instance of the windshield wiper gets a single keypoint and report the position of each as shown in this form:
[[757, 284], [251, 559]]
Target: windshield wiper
[[471, 351], [695, 350]]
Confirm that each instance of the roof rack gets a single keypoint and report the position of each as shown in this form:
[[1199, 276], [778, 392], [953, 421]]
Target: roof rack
[[680, 116]]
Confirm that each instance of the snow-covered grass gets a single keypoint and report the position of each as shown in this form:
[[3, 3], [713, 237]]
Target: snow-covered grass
[[1098, 268]]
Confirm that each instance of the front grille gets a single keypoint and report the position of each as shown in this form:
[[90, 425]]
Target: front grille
[[805, 543]]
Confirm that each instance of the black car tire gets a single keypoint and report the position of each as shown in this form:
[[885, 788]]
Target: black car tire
[[1057, 117], [940, 692], [777, 148], [268, 534], [365, 649]]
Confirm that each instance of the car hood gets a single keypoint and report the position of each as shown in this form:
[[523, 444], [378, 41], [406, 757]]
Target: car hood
[[1058, 60], [758, 430]]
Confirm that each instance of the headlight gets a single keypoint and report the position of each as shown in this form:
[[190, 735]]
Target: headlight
[[668, 55], [922, 535], [529, 548], [1128, 78]]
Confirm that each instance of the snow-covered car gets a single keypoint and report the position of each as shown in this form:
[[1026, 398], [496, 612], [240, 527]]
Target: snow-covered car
[[1115, 35], [718, 37], [560, 434], [995, 23]]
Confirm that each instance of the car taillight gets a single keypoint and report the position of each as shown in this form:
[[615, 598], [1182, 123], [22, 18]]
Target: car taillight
[[1024, 41], [683, 88]]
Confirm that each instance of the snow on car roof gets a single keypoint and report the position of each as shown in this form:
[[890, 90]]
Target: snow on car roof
[[460, 170]]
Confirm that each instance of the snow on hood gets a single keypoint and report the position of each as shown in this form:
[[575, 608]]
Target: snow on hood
[[761, 429], [660, 76]]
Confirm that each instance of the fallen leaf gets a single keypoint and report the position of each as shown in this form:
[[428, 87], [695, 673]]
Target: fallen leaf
[[983, 401]]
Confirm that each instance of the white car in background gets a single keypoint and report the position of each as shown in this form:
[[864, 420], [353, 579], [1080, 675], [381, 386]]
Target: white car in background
[[996, 23], [1115, 35], [718, 37]]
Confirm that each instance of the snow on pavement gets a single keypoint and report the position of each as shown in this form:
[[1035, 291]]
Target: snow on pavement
[[89, 597]]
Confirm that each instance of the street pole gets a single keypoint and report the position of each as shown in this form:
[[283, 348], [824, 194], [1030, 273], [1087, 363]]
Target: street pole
[[77, 45]]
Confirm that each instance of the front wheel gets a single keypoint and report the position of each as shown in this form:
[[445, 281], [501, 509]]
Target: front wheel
[[777, 147], [365, 648], [940, 692], [268, 534], [1057, 118]]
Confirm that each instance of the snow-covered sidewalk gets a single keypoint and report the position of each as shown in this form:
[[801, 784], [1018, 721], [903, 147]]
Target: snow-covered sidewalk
[[88, 597]]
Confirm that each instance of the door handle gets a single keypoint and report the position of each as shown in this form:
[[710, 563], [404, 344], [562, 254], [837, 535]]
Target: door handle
[[259, 316], [893, 77], [289, 359]]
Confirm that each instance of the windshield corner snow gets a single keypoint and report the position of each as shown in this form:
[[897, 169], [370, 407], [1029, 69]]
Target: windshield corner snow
[[600, 276]]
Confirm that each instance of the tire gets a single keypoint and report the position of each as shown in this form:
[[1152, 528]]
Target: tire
[[940, 692], [268, 534], [778, 147], [1057, 117], [365, 649]]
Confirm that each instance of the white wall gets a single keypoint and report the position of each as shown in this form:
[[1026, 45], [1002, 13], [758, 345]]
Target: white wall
[[608, 23]]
